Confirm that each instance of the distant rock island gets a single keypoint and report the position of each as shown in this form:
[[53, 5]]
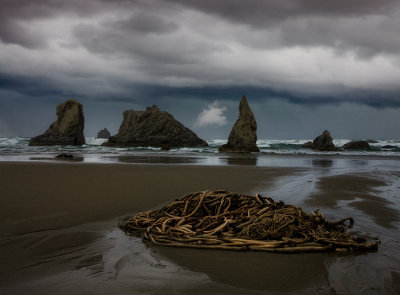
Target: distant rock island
[[67, 129], [323, 142], [103, 133], [243, 136], [357, 145], [153, 127]]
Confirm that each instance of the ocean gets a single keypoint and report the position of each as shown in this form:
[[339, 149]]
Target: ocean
[[18, 149]]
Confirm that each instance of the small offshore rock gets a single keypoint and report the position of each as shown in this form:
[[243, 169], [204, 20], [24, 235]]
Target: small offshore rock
[[64, 156], [67, 129], [388, 146], [307, 145], [243, 136], [324, 142], [357, 145], [155, 128], [104, 133]]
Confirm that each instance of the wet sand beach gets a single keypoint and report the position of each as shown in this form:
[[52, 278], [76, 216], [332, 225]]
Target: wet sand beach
[[59, 234]]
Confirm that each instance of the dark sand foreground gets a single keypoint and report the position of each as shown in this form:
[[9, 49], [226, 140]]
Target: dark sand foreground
[[40, 196], [59, 235]]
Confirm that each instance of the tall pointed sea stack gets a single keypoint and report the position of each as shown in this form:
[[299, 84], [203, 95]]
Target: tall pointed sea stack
[[67, 129], [324, 142], [153, 127], [243, 136]]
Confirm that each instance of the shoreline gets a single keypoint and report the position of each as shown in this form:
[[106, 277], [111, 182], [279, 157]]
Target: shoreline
[[205, 159]]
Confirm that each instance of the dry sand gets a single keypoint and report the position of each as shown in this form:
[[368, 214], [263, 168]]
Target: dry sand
[[58, 233]]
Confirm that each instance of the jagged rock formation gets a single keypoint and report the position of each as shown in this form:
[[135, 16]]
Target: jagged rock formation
[[243, 135], [67, 129], [104, 133], [357, 145], [153, 127], [324, 142]]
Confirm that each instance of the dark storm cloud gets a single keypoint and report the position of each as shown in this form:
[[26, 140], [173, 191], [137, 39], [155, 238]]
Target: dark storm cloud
[[144, 94], [16, 16], [120, 39], [366, 26], [17, 33], [146, 23], [260, 13]]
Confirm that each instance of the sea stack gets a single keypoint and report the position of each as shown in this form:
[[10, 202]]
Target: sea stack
[[104, 133], [67, 129], [153, 127], [243, 136], [324, 142]]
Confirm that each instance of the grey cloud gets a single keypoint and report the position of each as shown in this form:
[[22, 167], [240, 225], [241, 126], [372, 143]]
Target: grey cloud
[[260, 13], [148, 38], [147, 23], [366, 27], [15, 32], [364, 36], [39, 9], [16, 16]]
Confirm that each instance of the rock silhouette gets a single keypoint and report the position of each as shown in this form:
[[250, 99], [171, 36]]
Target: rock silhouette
[[104, 133], [324, 142], [243, 136], [153, 127], [357, 145], [67, 129]]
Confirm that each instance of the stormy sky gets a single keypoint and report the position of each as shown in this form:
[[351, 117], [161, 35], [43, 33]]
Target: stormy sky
[[304, 65]]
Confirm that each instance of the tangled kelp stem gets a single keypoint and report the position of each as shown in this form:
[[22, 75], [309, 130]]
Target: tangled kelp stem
[[226, 220]]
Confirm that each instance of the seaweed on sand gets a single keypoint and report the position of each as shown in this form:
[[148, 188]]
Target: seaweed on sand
[[231, 221]]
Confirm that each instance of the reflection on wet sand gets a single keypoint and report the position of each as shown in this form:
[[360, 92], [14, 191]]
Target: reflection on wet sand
[[247, 160], [322, 162], [74, 159], [159, 159], [252, 270], [234, 160], [30, 256], [358, 192]]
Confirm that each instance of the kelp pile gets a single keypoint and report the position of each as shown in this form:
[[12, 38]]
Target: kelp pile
[[226, 220]]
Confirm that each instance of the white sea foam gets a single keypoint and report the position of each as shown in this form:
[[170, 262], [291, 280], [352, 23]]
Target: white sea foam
[[20, 146], [95, 141]]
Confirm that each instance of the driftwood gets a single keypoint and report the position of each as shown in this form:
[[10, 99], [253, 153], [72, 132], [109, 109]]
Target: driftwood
[[226, 220]]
